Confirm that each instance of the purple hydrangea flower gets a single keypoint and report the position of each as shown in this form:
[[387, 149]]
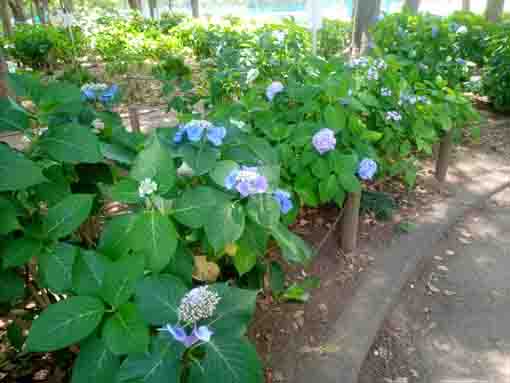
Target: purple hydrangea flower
[[324, 141], [367, 169], [195, 129], [273, 89], [203, 333], [284, 200], [200, 334], [216, 134], [247, 181]]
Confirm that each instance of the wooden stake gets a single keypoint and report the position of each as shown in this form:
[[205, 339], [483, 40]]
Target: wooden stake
[[443, 157], [349, 225], [134, 119]]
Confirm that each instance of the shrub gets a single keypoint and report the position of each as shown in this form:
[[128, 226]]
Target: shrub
[[496, 77], [334, 37]]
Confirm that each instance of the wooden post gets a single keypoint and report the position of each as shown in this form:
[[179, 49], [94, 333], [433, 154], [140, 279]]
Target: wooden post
[[349, 225], [466, 5], [443, 157], [365, 14], [195, 8], [6, 17], [134, 119], [4, 90]]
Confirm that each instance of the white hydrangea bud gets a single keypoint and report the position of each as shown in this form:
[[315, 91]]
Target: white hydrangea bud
[[198, 304]]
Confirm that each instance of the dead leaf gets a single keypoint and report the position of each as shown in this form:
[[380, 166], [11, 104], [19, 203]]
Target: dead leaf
[[205, 270]]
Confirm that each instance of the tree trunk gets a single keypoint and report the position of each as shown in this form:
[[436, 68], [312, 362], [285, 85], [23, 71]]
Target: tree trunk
[[349, 224], [46, 11], [412, 5], [365, 14], [195, 10], [6, 18], [466, 5], [68, 6], [152, 8], [39, 10], [17, 10], [135, 5], [3, 76], [494, 10], [443, 157]]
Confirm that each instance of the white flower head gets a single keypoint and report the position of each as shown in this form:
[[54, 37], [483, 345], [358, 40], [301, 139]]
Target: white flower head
[[385, 92], [273, 89], [198, 304], [462, 29], [252, 75], [11, 67], [372, 74], [393, 116], [147, 187]]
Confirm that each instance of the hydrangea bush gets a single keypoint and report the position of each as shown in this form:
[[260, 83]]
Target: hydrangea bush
[[116, 245]]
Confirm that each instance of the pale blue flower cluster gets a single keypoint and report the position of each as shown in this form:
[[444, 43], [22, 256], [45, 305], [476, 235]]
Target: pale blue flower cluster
[[195, 129], [279, 36], [361, 62], [99, 92], [324, 141], [461, 61], [461, 30], [367, 169], [372, 74], [393, 116], [284, 200], [273, 89], [199, 334], [435, 31], [247, 181], [385, 92]]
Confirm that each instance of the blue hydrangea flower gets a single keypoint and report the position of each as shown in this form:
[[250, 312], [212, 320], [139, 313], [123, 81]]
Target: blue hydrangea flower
[[462, 29], [367, 169], [273, 89], [179, 135], [88, 94], [284, 200], [195, 129], [247, 181], [200, 334], [460, 61], [324, 141], [109, 94], [216, 134], [435, 31]]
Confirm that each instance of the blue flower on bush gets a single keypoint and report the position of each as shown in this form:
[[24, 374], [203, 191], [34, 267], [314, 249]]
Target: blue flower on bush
[[435, 31], [284, 200], [99, 92], [461, 61], [273, 89], [367, 169], [109, 94], [461, 30], [324, 141], [247, 181], [199, 334], [195, 129]]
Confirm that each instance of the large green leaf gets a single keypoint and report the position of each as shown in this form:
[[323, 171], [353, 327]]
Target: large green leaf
[[19, 251], [72, 144], [328, 188], [181, 265], [125, 332], [161, 364], [293, 248], [222, 170], [12, 116], [252, 246], [95, 363], [57, 189], [125, 191], [56, 267], [234, 311], [193, 205], [349, 182], [8, 217], [120, 279], [66, 216], [114, 241], [13, 286], [154, 235], [155, 162], [65, 323], [264, 210], [228, 360], [88, 272], [16, 171], [202, 160], [158, 298], [225, 224]]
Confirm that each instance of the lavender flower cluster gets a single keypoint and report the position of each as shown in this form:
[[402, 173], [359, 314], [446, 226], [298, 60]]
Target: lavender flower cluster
[[195, 129], [99, 92], [367, 169], [324, 141], [198, 334], [273, 89], [393, 116]]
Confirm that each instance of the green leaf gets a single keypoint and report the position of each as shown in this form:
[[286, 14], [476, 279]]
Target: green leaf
[[13, 117], [114, 241], [344, 163], [155, 162], [234, 311], [320, 168], [328, 188], [65, 323], [57, 189], [13, 287], [125, 191], [117, 153], [158, 298], [120, 279], [228, 360], [293, 248], [56, 267], [349, 182], [161, 364], [126, 332], [66, 216], [264, 210], [277, 278], [222, 170], [19, 251], [16, 171], [8, 217], [95, 363], [154, 236], [202, 160], [193, 205], [335, 117], [72, 144], [181, 265], [225, 224], [88, 272], [252, 245]]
